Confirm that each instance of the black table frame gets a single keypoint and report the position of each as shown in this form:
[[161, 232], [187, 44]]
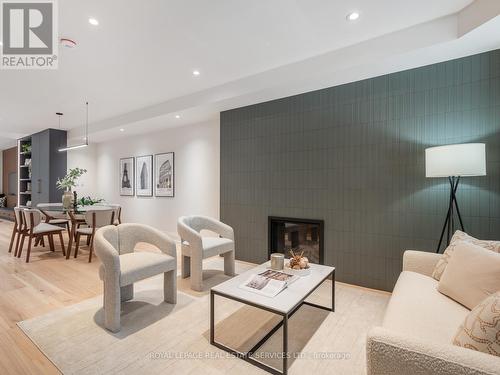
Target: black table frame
[[283, 323]]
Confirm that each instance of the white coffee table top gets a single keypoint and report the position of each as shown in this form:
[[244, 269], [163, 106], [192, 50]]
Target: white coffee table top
[[286, 300]]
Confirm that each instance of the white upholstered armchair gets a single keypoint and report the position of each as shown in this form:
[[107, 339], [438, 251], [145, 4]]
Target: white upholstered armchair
[[196, 247], [122, 267]]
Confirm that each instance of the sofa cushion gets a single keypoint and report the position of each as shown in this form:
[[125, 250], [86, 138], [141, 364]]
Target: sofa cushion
[[457, 237], [417, 309], [472, 274], [481, 328]]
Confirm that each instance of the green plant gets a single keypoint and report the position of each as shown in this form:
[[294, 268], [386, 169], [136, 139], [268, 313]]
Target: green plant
[[69, 181], [26, 148], [88, 201]]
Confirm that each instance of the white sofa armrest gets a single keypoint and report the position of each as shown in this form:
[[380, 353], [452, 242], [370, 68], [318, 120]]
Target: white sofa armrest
[[420, 261], [390, 353]]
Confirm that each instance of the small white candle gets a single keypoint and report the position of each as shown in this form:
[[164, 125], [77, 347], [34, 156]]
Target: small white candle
[[277, 261]]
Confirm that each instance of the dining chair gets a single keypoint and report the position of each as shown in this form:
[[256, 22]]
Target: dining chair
[[118, 211], [17, 229], [34, 228], [54, 217], [94, 219]]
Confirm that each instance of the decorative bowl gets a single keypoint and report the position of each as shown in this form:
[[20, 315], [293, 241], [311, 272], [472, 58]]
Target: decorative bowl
[[301, 272]]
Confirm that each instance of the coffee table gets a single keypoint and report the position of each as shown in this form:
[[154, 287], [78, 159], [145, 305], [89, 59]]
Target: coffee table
[[284, 304]]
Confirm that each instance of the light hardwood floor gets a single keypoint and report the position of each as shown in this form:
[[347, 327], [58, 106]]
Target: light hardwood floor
[[27, 290], [47, 283]]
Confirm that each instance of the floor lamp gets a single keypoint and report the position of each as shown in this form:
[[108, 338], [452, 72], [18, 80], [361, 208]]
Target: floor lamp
[[453, 162]]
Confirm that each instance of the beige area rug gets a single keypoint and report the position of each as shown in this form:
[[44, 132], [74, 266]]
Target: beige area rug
[[158, 338]]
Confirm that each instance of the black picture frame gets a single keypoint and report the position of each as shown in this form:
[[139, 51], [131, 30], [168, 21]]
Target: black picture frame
[[160, 160], [143, 175], [127, 191]]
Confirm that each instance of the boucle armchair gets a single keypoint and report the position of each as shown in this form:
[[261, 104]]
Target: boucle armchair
[[196, 247], [122, 267]]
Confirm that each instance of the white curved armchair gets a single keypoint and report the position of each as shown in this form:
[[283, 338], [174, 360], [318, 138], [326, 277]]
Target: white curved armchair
[[122, 267], [195, 247]]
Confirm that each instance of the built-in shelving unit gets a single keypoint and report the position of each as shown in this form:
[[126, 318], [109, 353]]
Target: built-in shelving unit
[[40, 164], [24, 172]]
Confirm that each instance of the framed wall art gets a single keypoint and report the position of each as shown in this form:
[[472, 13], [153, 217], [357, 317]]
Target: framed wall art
[[165, 175], [144, 176], [127, 176]]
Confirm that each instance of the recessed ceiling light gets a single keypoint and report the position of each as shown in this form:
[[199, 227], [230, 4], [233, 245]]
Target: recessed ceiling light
[[122, 130], [196, 72], [177, 116], [93, 21], [352, 16]]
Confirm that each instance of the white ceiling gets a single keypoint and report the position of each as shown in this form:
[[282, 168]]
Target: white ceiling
[[135, 68]]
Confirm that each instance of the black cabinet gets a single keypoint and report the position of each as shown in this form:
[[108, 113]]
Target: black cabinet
[[47, 165]]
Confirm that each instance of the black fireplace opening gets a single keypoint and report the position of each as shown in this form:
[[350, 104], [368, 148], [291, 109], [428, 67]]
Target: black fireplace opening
[[299, 235]]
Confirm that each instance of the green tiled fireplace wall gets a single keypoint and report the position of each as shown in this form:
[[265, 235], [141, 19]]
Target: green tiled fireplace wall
[[353, 155]]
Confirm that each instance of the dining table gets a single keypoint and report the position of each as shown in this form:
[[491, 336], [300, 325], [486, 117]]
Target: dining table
[[76, 216]]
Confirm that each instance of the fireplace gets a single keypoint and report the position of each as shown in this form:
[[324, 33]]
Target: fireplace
[[306, 235]]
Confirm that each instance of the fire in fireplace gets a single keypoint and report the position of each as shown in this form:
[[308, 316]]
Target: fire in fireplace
[[306, 235]]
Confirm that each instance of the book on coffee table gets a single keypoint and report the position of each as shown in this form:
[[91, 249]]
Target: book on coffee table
[[268, 283]]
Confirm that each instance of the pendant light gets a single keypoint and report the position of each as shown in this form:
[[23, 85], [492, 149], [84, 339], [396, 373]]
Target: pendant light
[[86, 132]]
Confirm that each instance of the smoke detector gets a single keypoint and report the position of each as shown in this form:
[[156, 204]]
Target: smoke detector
[[68, 43]]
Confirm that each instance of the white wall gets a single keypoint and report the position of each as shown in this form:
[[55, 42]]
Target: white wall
[[85, 158], [197, 162]]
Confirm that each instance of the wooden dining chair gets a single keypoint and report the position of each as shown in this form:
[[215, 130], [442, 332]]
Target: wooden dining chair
[[118, 214], [54, 217], [118, 211], [94, 219], [17, 230], [34, 228]]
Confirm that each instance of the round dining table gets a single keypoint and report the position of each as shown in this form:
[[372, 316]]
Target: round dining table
[[75, 216]]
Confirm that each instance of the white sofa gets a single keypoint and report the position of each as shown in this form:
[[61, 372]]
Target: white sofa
[[419, 326]]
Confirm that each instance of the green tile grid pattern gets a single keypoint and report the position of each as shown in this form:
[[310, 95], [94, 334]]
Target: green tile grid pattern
[[353, 155]]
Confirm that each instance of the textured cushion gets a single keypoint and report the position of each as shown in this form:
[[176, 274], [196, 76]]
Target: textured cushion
[[417, 309], [481, 329], [215, 245], [141, 265], [58, 221], [85, 230], [45, 228], [472, 274], [458, 237], [211, 246], [3, 201]]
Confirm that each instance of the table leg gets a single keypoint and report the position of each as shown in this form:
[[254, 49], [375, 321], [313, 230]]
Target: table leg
[[333, 290], [71, 236], [212, 318], [285, 344]]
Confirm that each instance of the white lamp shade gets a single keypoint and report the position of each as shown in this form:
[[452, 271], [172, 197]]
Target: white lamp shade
[[468, 159]]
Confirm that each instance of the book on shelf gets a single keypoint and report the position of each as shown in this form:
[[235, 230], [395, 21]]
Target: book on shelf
[[268, 283]]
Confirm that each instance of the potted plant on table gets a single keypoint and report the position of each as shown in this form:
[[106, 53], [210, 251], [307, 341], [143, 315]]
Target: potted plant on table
[[67, 183], [88, 201]]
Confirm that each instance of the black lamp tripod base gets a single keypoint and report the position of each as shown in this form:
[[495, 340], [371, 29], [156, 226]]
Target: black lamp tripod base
[[449, 223]]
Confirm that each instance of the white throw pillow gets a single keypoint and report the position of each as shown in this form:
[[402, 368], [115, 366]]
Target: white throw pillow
[[472, 274], [480, 330], [459, 237]]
